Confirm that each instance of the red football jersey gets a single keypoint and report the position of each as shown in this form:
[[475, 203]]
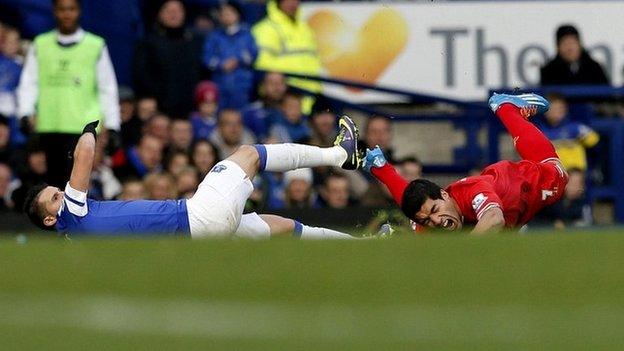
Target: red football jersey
[[519, 189]]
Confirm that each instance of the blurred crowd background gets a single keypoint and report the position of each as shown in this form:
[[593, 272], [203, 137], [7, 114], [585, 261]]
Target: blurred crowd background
[[202, 81]]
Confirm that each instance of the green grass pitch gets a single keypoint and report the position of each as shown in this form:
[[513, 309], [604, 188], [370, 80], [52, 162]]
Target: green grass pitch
[[502, 292]]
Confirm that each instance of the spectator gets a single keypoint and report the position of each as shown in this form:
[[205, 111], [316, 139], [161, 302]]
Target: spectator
[[291, 125], [203, 24], [378, 131], [569, 138], [335, 191], [176, 162], [323, 126], [5, 180], [259, 115], [298, 189], [229, 52], [573, 209], [160, 186], [230, 133], [187, 182], [204, 120], [66, 89], [573, 65], [409, 168], [104, 184], [147, 106], [11, 45], [31, 172], [167, 62], [133, 189], [204, 157], [181, 136], [10, 70], [131, 124], [142, 159], [159, 126], [287, 44], [6, 154]]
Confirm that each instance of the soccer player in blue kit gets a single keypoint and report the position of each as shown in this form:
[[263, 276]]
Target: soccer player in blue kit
[[216, 209]]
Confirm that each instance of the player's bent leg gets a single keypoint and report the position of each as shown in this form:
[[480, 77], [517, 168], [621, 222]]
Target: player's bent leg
[[285, 157], [247, 158], [513, 111], [217, 206]]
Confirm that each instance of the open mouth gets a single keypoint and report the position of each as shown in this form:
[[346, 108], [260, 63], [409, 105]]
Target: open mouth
[[447, 224]]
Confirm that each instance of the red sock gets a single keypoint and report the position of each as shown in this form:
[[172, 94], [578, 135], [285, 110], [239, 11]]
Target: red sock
[[529, 141], [393, 181]]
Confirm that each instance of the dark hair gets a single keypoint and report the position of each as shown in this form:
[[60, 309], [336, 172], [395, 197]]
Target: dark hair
[[408, 159], [416, 193], [293, 94], [32, 208], [565, 30], [376, 117], [235, 5], [228, 110], [555, 96], [55, 2]]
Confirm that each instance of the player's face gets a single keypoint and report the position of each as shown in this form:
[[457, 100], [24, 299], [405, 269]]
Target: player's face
[[51, 199], [66, 13], [441, 213]]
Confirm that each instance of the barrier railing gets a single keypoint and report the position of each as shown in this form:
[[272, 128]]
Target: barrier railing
[[471, 118]]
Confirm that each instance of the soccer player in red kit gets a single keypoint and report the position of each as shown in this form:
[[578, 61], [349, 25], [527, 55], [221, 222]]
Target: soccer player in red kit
[[506, 194]]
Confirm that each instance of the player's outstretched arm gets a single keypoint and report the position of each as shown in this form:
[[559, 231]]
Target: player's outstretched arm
[[84, 154], [491, 221], [377, 165]]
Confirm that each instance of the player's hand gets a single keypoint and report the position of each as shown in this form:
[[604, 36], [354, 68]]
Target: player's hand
[[90, 128], [374, 158]]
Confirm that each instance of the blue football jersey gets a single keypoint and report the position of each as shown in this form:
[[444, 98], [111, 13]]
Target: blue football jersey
[[79, 215]]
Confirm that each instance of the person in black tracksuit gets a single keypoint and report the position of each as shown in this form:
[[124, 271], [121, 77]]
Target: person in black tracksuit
[[573, 65], [167, 62]]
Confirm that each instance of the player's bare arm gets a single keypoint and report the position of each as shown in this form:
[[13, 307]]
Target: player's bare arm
[[491, 221], [84, 155]]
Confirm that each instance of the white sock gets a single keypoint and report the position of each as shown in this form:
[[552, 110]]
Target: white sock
[[306, 233], [286, 157]]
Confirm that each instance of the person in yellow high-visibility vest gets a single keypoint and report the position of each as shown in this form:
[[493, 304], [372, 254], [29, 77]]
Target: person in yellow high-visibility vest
[[67, 81], [287, 44]]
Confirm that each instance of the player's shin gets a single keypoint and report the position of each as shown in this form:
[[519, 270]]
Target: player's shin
[[285, 157], [314, 233]]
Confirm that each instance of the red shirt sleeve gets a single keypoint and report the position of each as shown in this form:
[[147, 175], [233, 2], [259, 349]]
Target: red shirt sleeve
[[474, 197]]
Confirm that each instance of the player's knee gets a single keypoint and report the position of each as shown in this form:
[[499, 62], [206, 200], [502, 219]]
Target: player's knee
[[249, 152], [279, 225]]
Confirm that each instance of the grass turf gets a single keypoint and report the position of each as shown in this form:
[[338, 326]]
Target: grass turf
[[504, 292]]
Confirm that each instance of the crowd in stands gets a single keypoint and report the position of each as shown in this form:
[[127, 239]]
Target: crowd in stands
[[196, 97]]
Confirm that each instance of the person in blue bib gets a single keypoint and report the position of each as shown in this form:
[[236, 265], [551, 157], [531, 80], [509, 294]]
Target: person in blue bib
[[216, 209]]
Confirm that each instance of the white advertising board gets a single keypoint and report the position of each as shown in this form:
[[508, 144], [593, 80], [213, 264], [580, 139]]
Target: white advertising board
[[457, 49]]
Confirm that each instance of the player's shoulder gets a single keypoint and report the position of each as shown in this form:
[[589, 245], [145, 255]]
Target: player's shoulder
[[469, 182]]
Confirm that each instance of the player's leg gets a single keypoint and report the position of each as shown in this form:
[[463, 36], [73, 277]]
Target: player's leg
[[513, 111], [218, 203], [263, 226]]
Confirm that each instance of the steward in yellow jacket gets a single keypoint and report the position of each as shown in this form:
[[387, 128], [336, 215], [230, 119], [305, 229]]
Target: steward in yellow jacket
[[287, 44]]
